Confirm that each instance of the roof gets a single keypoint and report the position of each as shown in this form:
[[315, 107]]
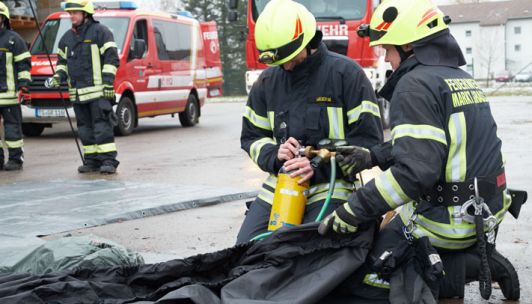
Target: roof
[[488, 13]]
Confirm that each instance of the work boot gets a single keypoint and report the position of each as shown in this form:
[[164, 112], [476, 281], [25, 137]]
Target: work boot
[[107, 169], [88, 168], [502, 272], [12, 165]]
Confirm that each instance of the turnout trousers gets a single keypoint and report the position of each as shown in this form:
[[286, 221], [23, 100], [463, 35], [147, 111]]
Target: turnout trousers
[[94, 120], [11, 116]]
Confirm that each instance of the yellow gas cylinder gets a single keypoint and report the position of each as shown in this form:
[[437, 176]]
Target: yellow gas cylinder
[[289, 201]]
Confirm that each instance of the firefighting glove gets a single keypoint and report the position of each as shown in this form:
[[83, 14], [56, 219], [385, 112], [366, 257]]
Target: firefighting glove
[[353, 160], [342, 220], [109, 92], [53, 82], [24, 95]]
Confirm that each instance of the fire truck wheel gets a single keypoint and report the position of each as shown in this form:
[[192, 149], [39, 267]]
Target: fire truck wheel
[[125, 113], [32, 129], [190, 116]]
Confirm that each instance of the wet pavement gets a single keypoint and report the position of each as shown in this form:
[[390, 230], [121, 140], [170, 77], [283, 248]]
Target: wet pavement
[[163, 154]]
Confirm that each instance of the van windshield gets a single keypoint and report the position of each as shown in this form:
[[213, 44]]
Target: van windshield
[[54, 29]]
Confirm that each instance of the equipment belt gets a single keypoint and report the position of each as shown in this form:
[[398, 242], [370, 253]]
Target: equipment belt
[[456, 194]]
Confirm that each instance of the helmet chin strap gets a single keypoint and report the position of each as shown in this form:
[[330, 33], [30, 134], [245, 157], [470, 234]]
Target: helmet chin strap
[[402, 54]]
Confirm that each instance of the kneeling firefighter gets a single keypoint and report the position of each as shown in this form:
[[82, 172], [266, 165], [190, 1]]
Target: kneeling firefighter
[[15, 66], [444, 167], [88, 59], [308, 94]]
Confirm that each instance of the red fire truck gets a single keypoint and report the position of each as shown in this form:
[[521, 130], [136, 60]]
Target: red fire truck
[[339, 21], [169, 64]]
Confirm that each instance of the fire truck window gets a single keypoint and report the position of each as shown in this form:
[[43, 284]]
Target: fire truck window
[[139, 33], [173, 40]]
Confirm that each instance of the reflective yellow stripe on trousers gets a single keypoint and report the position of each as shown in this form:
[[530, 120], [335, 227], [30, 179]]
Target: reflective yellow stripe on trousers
[[89, 149], [105, 148], [14, 144]]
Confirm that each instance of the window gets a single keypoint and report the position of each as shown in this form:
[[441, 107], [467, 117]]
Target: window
[[469, 50], [139, 33], [173, 40], [517, 30], [470, 67], [468, 33], [517, 47]]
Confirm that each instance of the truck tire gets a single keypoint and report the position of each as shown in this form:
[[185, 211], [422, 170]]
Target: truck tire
[[190, 116], [125, 114], [384, 107], [32, 129]]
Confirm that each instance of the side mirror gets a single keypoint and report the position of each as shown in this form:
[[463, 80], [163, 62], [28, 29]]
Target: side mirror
[[233, 16], [233, 4], [139, 48]]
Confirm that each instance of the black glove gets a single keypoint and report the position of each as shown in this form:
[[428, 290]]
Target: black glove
[[352, 160], [342, 220], [109, 92]]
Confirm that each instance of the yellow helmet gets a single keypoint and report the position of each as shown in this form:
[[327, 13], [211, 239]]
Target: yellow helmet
[[399, 22], [282, 31], [4, 10], [79, 5]]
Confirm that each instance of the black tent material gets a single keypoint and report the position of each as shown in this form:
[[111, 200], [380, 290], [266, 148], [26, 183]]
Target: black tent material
[[291, 266]]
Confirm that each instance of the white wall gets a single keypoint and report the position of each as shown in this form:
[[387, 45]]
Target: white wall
[[487, 49], [518, 59]]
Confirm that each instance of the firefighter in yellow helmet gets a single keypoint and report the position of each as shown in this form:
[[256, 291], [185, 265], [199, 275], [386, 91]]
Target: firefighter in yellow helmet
[[88, 61], [15, 67], [307, 94], [445, 159]]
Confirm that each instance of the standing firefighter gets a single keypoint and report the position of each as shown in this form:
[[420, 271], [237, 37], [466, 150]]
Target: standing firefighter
[[15, 65], [446, 163], [308, 94], [88, 60]]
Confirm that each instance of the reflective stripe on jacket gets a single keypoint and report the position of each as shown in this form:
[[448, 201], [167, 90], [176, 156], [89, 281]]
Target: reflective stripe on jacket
[[15, 66], [88, 59], [442, 132]]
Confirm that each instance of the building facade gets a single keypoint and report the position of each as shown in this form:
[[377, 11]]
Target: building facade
[[494, 36]]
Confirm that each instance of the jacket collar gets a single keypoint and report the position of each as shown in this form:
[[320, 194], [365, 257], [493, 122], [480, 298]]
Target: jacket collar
[[80, 30], [310, 62], [406, 66]]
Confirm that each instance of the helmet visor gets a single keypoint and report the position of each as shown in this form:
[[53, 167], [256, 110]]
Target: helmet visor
[[271, 56]]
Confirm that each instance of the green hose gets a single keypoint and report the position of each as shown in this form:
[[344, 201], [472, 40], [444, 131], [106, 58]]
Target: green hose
[[332, 183]]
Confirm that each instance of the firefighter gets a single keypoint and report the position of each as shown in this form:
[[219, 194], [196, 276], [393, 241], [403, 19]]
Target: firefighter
[[15, 65], [443, 138], [308, 94], [88, 60]]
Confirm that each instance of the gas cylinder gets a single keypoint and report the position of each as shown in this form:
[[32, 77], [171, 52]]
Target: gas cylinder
[[289, 201]]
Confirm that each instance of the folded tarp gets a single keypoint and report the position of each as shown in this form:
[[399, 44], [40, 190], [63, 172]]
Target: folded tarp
[[295, 265], [67, 253]]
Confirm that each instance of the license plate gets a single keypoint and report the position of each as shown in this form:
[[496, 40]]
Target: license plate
[[40, 113]]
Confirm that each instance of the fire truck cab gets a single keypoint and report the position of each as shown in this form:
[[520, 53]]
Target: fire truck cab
[[169, 64]]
